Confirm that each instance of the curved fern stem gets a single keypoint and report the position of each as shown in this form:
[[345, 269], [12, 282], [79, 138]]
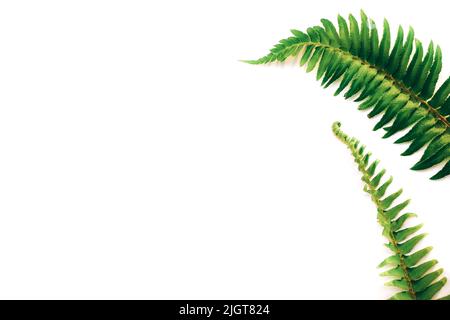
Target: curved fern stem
[[415, 280], [398, 83]]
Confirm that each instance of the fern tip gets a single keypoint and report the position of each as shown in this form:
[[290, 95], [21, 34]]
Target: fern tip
[[336, 126], [406, 153], [249, 61]]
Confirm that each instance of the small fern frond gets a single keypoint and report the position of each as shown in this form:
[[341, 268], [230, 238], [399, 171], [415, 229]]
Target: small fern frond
[[416, 279], [399, 84]]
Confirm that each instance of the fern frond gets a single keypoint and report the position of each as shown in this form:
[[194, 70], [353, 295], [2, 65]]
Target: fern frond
[[415, 278], [399, 84]]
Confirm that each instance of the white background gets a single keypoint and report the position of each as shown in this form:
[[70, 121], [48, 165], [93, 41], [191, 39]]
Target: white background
[[140, 159]]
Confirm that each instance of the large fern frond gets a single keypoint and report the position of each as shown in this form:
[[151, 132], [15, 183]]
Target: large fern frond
[[415, 278], [399, 83]]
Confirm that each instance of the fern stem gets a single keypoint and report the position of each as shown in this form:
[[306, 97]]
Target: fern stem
[[385, 222], [408, 279]]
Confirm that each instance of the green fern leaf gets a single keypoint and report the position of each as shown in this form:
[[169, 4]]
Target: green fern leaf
[[415, 278], [399, 84]]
